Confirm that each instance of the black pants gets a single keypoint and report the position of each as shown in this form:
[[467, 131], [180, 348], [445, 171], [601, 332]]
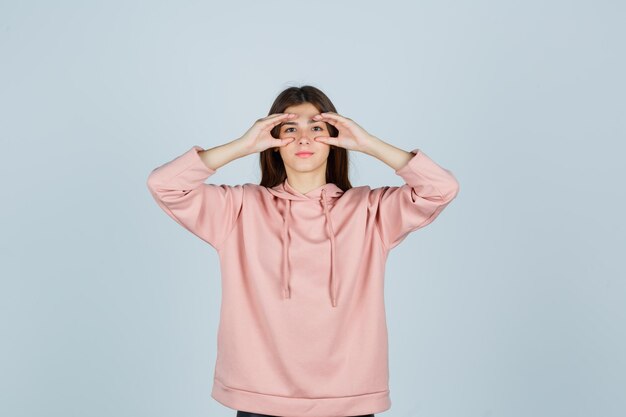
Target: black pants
[[247, 414]]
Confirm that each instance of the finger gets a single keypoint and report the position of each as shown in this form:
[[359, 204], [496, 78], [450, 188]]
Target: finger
[[275, 115], [326, 120], [271, 121], [332, 118], [332, 115]]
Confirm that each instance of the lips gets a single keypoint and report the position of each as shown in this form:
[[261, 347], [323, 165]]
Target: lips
[[304, 154]]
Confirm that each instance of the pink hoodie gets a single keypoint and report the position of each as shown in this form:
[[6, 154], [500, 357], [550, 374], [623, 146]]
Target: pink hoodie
[[302, 328]]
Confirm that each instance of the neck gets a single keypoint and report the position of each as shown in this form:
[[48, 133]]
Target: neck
[[305, 183]]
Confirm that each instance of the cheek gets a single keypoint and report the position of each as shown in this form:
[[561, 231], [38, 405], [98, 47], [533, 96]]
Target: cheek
[[324, 149]]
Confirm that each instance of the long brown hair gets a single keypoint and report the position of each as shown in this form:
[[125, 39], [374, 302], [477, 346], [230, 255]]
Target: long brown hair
[[272, 167]]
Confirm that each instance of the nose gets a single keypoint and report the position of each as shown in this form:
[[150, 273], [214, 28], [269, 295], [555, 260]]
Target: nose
[[304, 139]]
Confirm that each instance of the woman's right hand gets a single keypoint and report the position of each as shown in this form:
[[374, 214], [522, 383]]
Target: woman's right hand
[[258, 138]]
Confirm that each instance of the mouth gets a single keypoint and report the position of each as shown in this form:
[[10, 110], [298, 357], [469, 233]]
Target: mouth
[[304, 154]]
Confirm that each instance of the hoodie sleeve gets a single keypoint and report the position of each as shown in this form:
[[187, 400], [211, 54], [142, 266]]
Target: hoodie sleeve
[[207, 210], [428, 189]]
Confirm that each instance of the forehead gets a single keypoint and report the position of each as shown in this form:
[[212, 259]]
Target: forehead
[[303, 120]]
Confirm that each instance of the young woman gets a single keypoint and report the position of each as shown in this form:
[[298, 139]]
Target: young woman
[[302, 255]]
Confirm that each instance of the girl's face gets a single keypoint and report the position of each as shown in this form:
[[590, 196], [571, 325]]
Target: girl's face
[[304, 130]]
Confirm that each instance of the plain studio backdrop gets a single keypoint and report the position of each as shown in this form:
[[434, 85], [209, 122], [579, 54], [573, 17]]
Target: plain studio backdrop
[[511, 304]]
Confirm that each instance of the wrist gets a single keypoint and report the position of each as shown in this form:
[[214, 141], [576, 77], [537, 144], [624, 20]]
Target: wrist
[[241, 147], [371, 145]]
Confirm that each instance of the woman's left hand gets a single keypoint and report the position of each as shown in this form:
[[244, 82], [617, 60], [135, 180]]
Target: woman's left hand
[[351, 136]]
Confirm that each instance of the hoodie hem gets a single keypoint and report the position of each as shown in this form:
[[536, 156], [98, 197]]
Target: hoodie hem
[[355, 405]]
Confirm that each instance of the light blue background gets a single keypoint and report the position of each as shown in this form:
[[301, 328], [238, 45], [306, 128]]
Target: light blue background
[[511, 304]]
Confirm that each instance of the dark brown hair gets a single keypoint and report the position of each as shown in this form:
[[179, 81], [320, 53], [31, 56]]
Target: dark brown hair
[[272, 167]]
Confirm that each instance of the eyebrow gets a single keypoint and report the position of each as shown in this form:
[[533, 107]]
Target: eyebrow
[[294, 123]]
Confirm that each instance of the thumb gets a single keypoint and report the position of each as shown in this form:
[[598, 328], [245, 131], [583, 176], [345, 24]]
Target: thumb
[[327, 139], [285, 141]]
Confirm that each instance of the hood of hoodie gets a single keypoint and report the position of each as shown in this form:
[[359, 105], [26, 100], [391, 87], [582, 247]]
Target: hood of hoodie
[[323, 195]]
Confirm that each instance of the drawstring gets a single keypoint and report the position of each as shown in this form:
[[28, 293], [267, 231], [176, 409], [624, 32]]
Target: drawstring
[[331, 234], [286, 289]]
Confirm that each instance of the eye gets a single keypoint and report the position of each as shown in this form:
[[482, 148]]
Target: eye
[[314, 127]]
